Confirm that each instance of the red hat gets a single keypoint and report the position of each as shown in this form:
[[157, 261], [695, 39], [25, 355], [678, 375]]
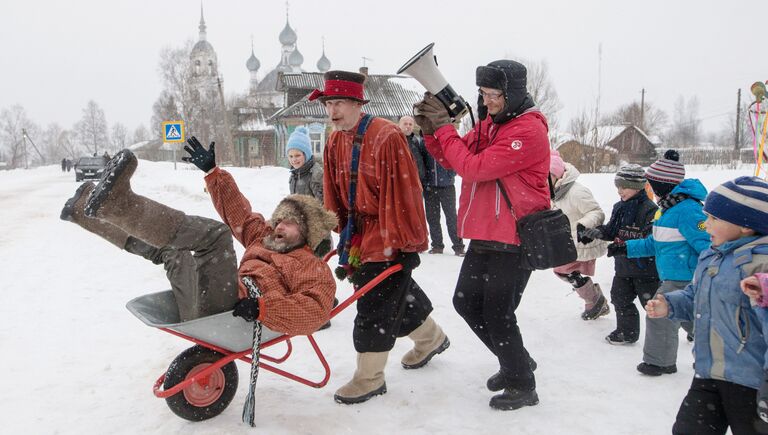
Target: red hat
[[340, 84]]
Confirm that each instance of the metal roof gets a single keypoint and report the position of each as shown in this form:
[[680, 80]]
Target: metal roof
[[391, 96]]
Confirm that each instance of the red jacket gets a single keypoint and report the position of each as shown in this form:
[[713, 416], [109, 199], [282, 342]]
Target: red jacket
[[517, 153], [389, 205]]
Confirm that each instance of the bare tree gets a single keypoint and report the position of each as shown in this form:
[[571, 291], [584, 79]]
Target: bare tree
[[140, 134], [92, 128], [119, 136], [50, 143], [652, 122], [543, 91], [686, 125], [13, 123]]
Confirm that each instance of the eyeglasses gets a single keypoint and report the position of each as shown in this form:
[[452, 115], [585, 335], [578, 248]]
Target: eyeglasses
[[489, 95]]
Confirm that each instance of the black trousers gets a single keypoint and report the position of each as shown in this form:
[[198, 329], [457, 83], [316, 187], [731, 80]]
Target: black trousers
[[711, 406], [377, 324], [434, 197], [624, 290], [488, 292]]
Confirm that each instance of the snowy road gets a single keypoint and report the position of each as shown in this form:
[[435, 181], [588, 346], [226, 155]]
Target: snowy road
[[75, 361]]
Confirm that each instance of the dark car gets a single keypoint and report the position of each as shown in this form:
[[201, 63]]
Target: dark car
[[90, 167]]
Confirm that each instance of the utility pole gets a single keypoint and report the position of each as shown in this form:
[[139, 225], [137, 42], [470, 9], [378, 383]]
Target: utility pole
[[737, 137], [642, 109], [230, 148]]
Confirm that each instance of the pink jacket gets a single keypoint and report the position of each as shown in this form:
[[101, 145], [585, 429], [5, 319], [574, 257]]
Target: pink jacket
[[517, 153]]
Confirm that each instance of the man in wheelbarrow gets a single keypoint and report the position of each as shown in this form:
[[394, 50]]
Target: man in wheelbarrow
[[372, 184], [198, 254]]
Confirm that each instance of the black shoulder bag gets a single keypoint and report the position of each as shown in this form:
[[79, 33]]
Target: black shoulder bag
[[545, 236]]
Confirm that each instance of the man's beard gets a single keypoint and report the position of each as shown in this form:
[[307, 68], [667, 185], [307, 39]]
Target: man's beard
[[281, 245]]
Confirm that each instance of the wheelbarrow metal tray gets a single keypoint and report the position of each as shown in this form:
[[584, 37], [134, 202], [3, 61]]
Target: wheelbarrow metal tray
[[224, 330]]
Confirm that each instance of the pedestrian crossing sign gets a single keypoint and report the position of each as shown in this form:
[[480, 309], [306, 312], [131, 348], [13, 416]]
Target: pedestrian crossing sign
[[173, 131]]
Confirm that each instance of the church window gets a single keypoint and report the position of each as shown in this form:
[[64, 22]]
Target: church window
[[197, 68]]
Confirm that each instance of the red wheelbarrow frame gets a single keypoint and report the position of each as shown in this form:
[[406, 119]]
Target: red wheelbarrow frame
[[201, 377]]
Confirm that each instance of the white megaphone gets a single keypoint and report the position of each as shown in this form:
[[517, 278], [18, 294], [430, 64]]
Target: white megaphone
[[423, 67]]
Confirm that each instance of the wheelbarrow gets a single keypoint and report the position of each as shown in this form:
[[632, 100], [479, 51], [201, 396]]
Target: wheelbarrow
[[201, 381]]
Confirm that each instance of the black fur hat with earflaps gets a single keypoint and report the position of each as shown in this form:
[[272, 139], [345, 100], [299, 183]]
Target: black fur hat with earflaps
[[314, 221]]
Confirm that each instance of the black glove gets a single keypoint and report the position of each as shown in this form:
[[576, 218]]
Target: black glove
[[587, 235], [762, 399], [409, 260], [617, 250], [199, 156], [248, 309]]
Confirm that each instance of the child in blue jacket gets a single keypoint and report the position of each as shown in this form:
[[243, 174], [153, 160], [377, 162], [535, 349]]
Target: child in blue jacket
[[730, 342], [677, 239]]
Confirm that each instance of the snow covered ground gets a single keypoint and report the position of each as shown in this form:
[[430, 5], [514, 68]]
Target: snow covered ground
[[75, 361]]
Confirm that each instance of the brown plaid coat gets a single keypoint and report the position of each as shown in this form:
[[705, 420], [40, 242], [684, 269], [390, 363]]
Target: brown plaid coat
[[297, 287]]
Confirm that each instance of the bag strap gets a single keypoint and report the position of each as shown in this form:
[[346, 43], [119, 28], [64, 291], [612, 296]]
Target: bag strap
[[345, 242], [509, 203]]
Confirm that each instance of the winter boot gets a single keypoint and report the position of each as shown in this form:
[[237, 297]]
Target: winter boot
[[619, 338], [595, 304], [428, 341], [654, 370], [497, 382], [513, 398], [368, 380], [113, 201], [73, 212]]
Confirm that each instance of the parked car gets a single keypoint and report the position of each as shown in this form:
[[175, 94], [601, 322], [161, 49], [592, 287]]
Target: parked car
[[90, 167]]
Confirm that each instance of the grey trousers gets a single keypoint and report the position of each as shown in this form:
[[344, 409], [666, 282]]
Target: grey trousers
[[661, 335], [201, 264]]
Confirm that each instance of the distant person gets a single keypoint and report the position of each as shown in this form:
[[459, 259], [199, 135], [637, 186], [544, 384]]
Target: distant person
[[69, 165], [406, 126], [577, 203], [439, 190], [306, 175], [631, 218], [106, 156], [678, 238], [730, 386], [63, 164]]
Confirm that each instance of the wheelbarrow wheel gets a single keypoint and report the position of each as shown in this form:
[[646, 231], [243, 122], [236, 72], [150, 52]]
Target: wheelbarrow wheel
[[206, 398]]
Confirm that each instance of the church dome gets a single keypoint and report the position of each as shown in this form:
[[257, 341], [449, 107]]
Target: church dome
[[252, 63], [296, 59], [323, 64], [202, 46], [287, 36]]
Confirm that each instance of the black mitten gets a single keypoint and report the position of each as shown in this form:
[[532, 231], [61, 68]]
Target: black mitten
[[248, 309], [587, 235], [617, 250], [409, 260], [199, 156]]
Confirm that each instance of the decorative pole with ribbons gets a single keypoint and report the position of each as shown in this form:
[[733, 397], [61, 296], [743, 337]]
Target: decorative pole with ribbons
[[250, 400], [759, 127]]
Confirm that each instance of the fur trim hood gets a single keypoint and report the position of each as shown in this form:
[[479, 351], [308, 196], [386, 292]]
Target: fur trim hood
[[314, 221]]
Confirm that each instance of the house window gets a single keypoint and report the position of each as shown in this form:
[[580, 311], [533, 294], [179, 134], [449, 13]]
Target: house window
[[317, 143]]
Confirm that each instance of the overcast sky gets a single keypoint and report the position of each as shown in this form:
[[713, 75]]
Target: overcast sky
[[57, 55]]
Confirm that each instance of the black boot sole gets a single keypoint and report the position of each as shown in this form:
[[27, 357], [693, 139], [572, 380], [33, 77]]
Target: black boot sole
[[69, 206], [440, 349], [509, 405], [114, 169], [360, 399]]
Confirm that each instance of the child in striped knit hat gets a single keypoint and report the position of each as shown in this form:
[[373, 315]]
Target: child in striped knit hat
[[677, 240], [729, 387]]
